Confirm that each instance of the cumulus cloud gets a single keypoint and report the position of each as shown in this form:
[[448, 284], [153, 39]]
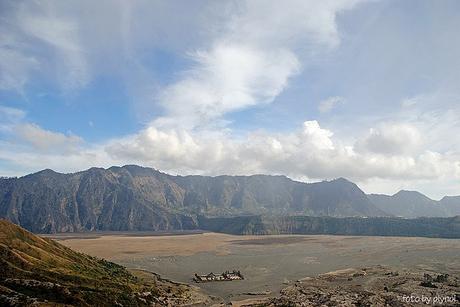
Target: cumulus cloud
[[391, 139], [319, 138], [310, 152]]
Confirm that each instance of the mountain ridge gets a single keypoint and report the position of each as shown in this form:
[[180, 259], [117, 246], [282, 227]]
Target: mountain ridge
[[413, 204], [132, 197]]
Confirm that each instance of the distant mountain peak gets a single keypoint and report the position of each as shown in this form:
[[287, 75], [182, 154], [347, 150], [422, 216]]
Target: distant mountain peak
[[96, 169], [46, 172], [135, 166], [447, 197], [136, 169], [410, 204], [341, 180], [408, 193]]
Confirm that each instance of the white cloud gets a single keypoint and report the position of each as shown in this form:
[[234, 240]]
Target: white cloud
[[391, 139], [225, 79], [310, 152], [9, 117], [289, 23], [36, 40], [318, 137], [23, 162], [14, 68], [409, 102], [251, 61], [47, 141], [243, 55], [328, 104], [247, 60], [70, 44], [60, 33]]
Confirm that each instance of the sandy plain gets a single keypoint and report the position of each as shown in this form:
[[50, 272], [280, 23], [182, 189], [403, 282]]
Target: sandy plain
[[269, 263]]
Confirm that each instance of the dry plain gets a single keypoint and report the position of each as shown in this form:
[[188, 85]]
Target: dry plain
[[269, 263]]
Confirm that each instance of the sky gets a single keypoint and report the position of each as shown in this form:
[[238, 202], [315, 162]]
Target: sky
[[314, 90]]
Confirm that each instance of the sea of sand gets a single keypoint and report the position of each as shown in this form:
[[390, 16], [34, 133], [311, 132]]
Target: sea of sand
[[268, 263]]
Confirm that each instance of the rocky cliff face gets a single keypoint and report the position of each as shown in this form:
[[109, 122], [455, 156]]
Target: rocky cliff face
[[354, 226], [137, 198], [97, 199]]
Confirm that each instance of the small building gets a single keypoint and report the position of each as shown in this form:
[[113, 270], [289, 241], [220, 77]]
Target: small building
[[225, 276]]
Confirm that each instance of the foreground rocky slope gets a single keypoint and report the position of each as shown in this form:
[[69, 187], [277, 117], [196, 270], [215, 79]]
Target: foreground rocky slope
[[40, 272], [374, 286]]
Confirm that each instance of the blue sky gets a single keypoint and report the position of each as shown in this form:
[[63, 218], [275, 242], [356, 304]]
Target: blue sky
[[314, 90]]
